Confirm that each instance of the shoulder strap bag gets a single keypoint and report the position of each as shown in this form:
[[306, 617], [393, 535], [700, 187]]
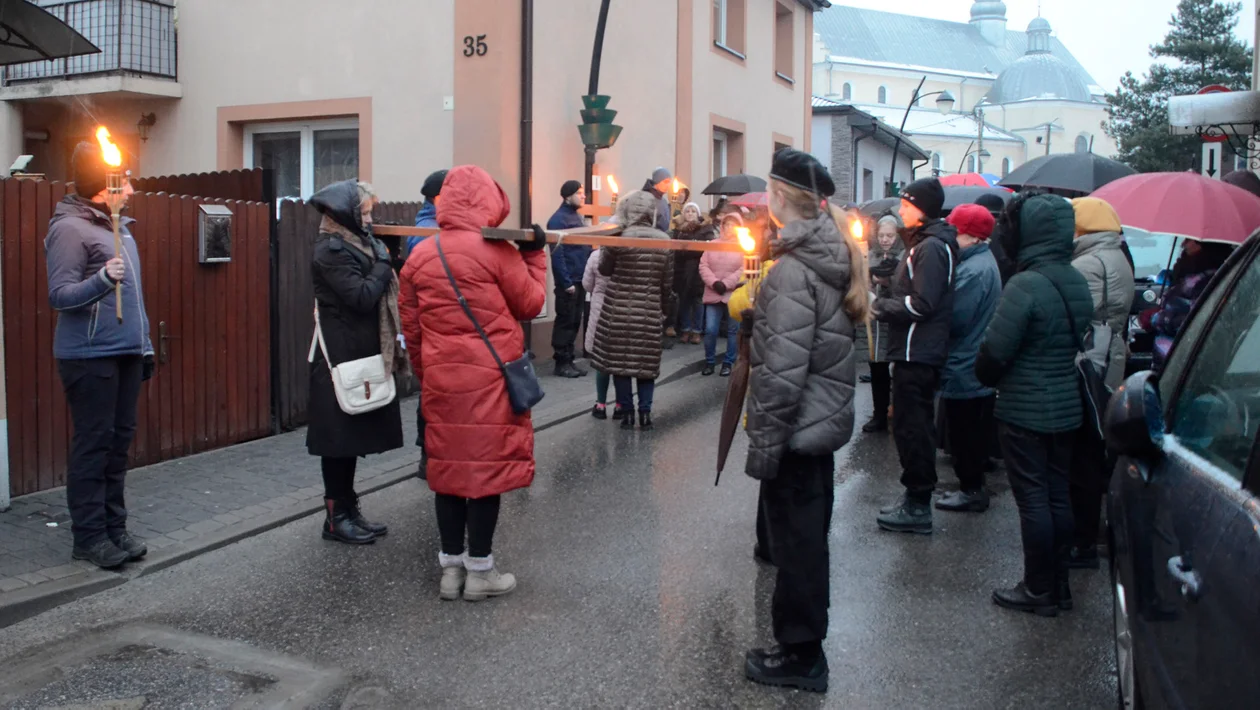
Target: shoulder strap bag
[[523, 388], [1094, 392], [361, 385]]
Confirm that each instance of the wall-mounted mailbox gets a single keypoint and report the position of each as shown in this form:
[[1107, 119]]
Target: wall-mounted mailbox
[[214, 234]]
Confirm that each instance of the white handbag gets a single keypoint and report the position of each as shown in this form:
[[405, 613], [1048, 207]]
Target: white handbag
[[360, 385]]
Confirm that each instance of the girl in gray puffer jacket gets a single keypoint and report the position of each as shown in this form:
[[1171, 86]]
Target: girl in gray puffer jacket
[[800, 408]]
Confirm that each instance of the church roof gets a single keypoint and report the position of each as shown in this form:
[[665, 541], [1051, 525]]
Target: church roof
[[1038, 76], [881, 37]]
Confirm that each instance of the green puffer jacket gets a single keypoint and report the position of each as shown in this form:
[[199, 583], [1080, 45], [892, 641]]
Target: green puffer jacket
[[1029, 350]]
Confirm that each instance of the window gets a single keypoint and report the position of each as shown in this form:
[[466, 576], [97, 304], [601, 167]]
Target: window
[[1082, 143], [728, 26], [728, 149], [971, 163], [720, 154], [778, 146], [847, 91], [936, 163], [305, 156], [868, 185], [1217, 410], [883, 95], [1006, 167], [784, 41]]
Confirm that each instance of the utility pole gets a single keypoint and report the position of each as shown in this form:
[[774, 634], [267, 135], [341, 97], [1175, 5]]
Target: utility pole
[[980, 140], [1048, 127]]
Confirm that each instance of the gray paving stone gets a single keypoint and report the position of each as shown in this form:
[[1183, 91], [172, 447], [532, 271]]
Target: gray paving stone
[[62, 572], [227, 518], [158, 542], [9, 584], [181, 535], [33, 578], [205, 527]]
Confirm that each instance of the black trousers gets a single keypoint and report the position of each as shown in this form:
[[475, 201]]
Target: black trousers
[[1037, 465], [569, 310], [1087, 484], [970, 430], [881, 389], [477, 516], [797, 509], [102, 394], [914, 426], [339, 478]]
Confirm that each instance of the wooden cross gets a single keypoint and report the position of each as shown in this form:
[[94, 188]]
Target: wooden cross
[[603, 235]]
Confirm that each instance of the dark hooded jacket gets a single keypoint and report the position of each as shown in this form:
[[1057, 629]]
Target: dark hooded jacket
[[921, 309], [1029, 351], [803, 363], [568, 261], [348, 288], [883, 265]]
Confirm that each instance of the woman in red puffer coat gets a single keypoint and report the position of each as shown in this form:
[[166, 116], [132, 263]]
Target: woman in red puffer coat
[[477, 447]]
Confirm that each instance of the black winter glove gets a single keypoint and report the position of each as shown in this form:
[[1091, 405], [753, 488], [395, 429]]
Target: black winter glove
[[380, 250], [150, 365], [540, 240], [719, 287], [746, 321]]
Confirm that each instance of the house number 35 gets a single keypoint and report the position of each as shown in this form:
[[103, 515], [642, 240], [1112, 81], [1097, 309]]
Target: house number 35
[[475, 46]]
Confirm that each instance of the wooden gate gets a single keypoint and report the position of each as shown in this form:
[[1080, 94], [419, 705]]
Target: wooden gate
[[210, 325]]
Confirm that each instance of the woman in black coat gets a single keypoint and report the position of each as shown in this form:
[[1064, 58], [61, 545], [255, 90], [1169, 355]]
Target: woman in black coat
[[356, 295]]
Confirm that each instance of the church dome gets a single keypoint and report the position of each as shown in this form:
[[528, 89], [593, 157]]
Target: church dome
[[1039, 76], [1039, 24], [988, 10]]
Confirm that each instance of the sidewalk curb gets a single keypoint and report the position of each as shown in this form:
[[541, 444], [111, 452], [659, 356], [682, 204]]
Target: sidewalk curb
[[23, 604]]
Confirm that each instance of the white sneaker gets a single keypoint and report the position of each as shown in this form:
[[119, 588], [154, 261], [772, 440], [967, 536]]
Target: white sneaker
[[453, 575], [484, 580]]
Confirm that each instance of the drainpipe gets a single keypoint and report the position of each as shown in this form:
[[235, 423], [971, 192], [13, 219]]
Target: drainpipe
[[527, 134]]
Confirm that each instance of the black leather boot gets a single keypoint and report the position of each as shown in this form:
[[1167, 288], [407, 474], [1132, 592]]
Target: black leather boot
[[356, 515], [339, 526], [627, 419], [645, 421]]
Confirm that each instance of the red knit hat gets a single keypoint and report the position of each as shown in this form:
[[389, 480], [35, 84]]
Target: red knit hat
[[974, 220]]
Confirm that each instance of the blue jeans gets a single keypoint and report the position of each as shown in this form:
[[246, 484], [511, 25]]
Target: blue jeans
[[625, 399], [691, 318], [713, 313]]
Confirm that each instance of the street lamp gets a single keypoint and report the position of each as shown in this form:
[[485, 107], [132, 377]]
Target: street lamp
[[983, 154], [944, 104]]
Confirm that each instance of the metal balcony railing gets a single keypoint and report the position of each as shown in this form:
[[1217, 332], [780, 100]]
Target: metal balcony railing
[[135, 37]]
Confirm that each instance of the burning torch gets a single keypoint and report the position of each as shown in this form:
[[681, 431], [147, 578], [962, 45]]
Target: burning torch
[[114, 197], [752, 261], [858, 230], [676, 197], [612, 183]]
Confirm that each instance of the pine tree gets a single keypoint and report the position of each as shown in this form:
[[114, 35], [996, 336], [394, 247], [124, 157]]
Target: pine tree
[[1199, 50]]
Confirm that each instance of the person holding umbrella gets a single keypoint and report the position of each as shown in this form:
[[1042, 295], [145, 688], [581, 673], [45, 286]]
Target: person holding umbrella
[[800, 409], [1190, 276]]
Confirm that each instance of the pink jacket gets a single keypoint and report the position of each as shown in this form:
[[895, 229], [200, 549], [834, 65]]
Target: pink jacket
[[724, 266]]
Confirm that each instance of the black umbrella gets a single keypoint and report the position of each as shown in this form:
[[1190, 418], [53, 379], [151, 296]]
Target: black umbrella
[[735, 185], [875, 209], [29, 33], [1080, 173], [966, 195]]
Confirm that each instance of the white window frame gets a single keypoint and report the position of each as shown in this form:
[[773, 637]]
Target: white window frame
[[719, 32], [972, 163], [719, 136], [1007, 166], [306, 156], [883, 100]]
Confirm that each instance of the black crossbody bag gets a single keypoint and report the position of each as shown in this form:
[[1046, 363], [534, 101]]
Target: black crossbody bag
[[523, 388]]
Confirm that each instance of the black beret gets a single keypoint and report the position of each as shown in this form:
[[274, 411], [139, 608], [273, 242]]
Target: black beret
[[433, 185], [802, 170]]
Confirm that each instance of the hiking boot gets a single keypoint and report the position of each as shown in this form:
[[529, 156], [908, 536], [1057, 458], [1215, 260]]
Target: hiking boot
[[725, 371], [627, 420], [339, 526], [104, 554], [876, 424], [569, 370], [618, 413], [670, 333], [645, 421], [453, 575], [910, 516], [708, 369], [787, 669], [356, 517], [1084, 558], [1063, 591], [484, 580], [1020, 599], [965, 502], [128, 544]]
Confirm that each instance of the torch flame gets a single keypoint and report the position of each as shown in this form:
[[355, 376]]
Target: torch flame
[[612, 182], [677, 186], [857, 230], [746, 242], [110, 152]]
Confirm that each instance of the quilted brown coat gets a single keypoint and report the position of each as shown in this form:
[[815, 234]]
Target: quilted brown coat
[[639, 294]]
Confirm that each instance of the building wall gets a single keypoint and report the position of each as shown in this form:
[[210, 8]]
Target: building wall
[[829, 80], [833, 146], [1028, 119], [953, 151], [876, 157], [10, 141]]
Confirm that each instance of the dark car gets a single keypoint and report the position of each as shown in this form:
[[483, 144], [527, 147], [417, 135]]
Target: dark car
[[1183, 514]]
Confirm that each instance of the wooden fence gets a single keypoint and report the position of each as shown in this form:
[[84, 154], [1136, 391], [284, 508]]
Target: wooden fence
[[210, 324], [249, 185]]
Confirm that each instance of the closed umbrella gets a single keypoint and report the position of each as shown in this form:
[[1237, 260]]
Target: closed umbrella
[[1185, 205], [1080, 173], [29, 33], [735, 185], [733, 407]]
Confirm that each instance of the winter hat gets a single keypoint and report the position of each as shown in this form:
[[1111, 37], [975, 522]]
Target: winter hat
[[661, 174], [1094, 215], [802, 170], [433, 185], [991, 202], [926, 194], [87, 170], [972, 220], [569, 189]]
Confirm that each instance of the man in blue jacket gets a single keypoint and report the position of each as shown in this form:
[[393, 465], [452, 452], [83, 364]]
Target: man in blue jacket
[[101, 359], [568, 263], [427, 216], [969, 404]]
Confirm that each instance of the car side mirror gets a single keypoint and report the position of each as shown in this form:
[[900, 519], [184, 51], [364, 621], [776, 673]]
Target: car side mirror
[[1134, 420]]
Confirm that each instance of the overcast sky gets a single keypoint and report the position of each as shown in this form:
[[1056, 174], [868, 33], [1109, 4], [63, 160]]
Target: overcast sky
[[1109, 37]]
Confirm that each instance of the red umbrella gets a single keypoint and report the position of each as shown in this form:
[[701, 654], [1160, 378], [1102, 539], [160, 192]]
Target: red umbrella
[[1185, 205], [966, 180], [751, 199]]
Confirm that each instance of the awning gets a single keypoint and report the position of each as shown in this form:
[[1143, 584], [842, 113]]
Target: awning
[[28, 33]]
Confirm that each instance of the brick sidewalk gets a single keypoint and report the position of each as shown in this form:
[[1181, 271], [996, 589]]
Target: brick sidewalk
[[190, 505]]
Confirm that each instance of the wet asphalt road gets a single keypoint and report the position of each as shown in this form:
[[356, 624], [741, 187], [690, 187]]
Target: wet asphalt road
[[637, 589]]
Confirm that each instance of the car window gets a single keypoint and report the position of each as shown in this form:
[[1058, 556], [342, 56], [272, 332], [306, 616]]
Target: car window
[[1217, 410], [1151, 252]]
